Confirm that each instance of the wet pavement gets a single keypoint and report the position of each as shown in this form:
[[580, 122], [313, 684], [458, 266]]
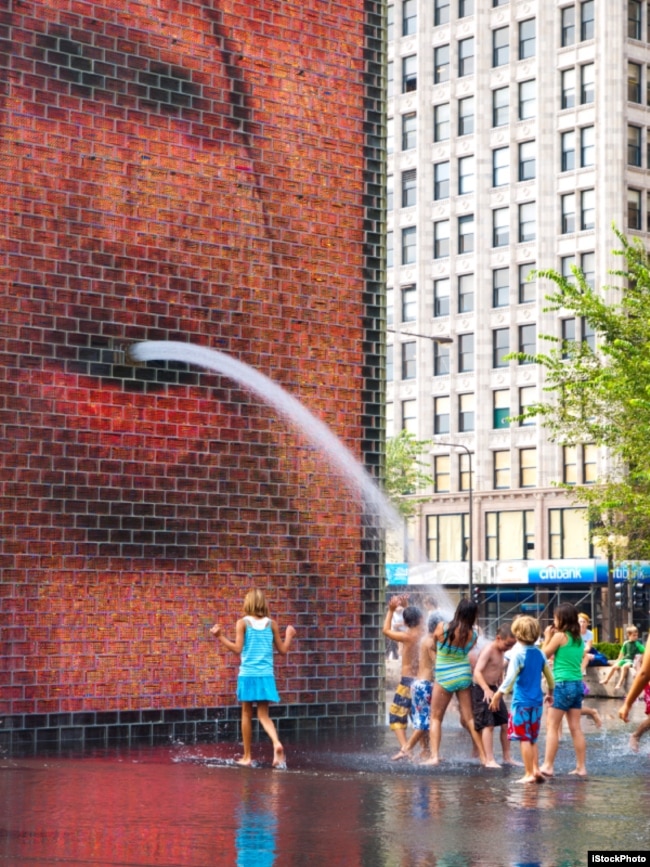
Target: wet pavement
[[341, 802]]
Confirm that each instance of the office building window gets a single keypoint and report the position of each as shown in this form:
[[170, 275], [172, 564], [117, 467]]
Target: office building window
[[526, 283], [465, 175], [528, 341], [441, 474], [527, 99], [390, 192], [389, 250], [466, 115], [500, 408], [527, 39], [500, 347], [465, 293], [588, 268], [409, 17], [568, 88], [587, 19], [568, 533], [570, 465], [527, 399], [441, 415], [634, 19], [587, 147], [441, 64], [441, 297], [587, 209], [465, 353], [500, 2], [441, 12], [566, 267], [441, 181], [409, 416], [527, 151], [409, 131], [568, 151], [568, 26], [408, 360], [447, 538], [589, 464], [500, 106], [500, 166], [500, 227], [466, 56], [390, 23], [441, 126], [500, 46], [465, 474], [568, 327], [527, 222], [501, 469], [587, 83], [510, 535], [634, 82], [633, 145], [390, 364], [409, 188], [465, 412], [501, 287], [409, 73], [568, 213], [466, 234], [409, 303], [441, 359], [465, 8], [390, 306], [441, 239], [409, 256], [633, 209], [527, 468]]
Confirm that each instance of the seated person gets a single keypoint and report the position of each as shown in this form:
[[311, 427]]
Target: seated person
[[631, 650]]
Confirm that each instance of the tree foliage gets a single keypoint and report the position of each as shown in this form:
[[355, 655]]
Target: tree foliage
[[406, 472], [602, 396]]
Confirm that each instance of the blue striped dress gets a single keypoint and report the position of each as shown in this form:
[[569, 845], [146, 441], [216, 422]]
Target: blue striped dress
[[453, 669], [256, 680]]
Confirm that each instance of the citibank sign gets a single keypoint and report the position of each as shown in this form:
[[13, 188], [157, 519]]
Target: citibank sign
[[568, 571]]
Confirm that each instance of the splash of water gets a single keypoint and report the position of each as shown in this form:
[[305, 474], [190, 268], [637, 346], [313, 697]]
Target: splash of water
[[311, 427]]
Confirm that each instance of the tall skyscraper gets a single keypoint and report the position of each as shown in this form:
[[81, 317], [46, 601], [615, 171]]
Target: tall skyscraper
[[517, 138]]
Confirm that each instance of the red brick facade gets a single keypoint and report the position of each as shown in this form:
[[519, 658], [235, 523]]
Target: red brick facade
[[203, 172]]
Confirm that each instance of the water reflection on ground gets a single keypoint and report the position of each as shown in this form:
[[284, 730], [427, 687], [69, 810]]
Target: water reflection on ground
[[342, 802]]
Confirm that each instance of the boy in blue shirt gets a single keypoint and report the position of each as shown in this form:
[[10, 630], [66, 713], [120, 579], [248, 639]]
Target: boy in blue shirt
[[524, 676]]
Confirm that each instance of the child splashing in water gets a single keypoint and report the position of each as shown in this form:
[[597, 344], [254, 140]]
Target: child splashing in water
[[255, 637]]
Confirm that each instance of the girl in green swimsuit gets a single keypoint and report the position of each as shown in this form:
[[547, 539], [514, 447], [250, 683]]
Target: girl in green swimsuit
[[454, 641]]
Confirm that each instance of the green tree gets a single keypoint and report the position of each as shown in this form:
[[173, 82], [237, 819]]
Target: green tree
[[602, 396], [406, 472]]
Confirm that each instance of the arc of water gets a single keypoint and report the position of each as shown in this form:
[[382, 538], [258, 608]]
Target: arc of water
[[288, 406]]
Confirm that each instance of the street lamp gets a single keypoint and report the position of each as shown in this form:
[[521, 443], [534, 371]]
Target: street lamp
[[470, 559], [433, 337]]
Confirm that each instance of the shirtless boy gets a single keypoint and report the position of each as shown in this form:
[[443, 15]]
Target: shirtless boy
[[488, 676], [422, 690], [410, 641]]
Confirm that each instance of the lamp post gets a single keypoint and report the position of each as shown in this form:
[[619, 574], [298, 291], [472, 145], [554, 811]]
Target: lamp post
[[470, 557]]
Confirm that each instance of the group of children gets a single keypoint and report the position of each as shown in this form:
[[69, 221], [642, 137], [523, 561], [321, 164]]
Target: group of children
[[437, 665], [445, 650]]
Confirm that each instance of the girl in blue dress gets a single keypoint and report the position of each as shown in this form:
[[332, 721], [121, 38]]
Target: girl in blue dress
[[256, 635]]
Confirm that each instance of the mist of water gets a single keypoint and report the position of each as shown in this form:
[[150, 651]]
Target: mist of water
[[312, 428]]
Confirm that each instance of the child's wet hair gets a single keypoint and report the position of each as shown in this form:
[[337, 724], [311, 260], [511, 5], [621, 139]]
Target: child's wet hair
[[412, 616], [526, 629]]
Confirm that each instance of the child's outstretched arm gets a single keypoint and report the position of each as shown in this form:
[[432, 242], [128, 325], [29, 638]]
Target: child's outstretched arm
[[638, 685], [550, 683], [236, 645], [282, 646]]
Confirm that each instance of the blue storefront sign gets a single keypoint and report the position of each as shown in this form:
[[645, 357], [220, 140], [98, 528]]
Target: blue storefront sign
[[584, 571], [397, 573]]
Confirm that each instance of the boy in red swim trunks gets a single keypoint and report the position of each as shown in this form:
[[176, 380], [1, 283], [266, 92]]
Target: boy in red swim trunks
[[525, 669]]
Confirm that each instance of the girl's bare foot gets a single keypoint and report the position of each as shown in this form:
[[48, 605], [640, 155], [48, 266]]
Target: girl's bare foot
[[279, 759], [512, 763], [527, 778], [402, 754], [634, 743], [434, 760], [578, 772], [492, 764], [546, 772], [244, 761]]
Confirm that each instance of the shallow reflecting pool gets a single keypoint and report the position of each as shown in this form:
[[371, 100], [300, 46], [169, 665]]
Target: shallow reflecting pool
[[342, 802]]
